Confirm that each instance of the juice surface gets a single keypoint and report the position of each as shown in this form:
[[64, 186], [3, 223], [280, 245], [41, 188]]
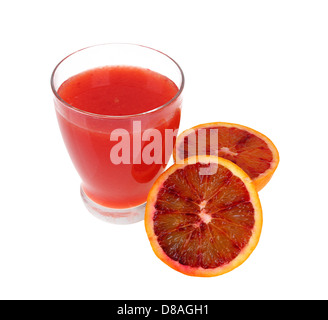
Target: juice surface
[[118, 90]]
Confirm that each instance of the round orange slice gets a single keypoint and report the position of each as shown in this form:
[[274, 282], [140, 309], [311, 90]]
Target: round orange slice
[[251, 150], [203, 217]]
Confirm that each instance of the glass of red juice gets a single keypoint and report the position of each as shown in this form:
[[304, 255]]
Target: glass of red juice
[[118, 107]]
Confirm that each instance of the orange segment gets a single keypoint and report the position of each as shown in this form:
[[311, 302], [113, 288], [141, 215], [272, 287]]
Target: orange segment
[[203, 217], [252, 151]]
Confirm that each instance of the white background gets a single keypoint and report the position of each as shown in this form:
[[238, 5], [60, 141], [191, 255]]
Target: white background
[[263, 64]]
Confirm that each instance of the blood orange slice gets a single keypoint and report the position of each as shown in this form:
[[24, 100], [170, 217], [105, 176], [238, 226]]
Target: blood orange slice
[[203, 217], [251, 150]]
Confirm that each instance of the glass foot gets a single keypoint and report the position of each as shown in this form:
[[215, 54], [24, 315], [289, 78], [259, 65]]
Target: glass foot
[[115, 216]]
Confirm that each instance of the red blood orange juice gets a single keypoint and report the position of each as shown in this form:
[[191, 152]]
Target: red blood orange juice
[[115, 91], [107, 116]]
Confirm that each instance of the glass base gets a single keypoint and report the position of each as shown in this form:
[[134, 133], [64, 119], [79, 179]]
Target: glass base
[[116, 216]]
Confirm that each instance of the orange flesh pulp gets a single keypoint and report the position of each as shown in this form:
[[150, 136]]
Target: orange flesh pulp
[[203, 220], [243, 148]]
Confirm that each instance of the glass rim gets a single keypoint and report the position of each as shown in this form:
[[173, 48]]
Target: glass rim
[[116, 116]]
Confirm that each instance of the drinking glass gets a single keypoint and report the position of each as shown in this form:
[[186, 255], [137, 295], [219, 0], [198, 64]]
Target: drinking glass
[[116, 190]]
